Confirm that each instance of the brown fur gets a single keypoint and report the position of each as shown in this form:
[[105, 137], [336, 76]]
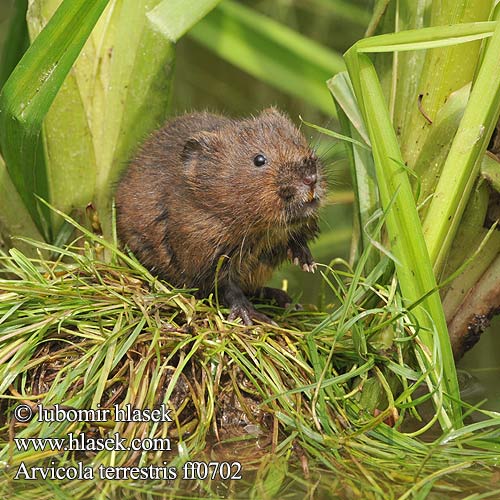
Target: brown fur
[[194, 194]]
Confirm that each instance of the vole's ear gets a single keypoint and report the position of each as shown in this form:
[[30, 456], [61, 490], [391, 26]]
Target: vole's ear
[[198, 145]]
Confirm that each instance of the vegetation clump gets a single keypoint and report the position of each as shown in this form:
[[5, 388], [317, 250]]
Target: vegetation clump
[[312, 396]]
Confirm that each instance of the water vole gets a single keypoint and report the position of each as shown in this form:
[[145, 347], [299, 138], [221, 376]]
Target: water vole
[[206, 186]]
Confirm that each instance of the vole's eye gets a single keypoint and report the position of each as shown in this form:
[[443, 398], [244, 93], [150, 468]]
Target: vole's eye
[[259, 160]]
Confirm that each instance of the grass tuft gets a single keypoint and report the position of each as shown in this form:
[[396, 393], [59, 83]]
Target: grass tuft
[[312, 397]]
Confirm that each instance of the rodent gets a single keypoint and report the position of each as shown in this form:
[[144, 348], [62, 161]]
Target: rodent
[[205, 186]]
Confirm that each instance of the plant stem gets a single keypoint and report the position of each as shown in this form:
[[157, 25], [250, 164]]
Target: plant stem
[[463, 162], [445, 70]]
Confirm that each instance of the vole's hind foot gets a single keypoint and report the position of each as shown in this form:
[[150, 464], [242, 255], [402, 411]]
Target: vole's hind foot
[[301, 256], [281, 298], [248, 314], [241, 307]]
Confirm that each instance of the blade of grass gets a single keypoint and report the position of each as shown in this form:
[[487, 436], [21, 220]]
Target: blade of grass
[[427, 38], [270, 51], [361, 166], [336, 135], [413, 266], [88, 313], [378, 13], [174, 18], [16, 41], [70, 164]]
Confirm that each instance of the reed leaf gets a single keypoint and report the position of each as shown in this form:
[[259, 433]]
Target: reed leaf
[[270, 51], [29, 92]]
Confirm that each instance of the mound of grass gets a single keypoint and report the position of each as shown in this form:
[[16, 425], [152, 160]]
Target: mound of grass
[[325, 394]]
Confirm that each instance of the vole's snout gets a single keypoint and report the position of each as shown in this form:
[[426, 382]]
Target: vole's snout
[[310, 180]]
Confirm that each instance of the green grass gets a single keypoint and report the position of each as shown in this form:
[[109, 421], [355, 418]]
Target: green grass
[[294, 402], [419, 251]]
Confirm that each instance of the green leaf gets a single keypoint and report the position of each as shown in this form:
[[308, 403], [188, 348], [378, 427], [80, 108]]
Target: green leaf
[[16, 41], [379, 10], [133, 89], [490, 170], [15, 219], [427, 38], [68, 147], [446, 69], [438, 142], [174, 18], [413, 267], [29, 92], [463, 163], [336, 135], [270, 51], [117, 92], [361, 164]]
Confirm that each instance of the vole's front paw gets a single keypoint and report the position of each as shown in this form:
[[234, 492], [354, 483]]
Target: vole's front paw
[[247, 314], [301, 256]]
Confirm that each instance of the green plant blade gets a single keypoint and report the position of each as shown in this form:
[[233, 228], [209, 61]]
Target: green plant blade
[[464, 159], [437, 144], [428, 38], [14, 217], [277, 55], [16, 42], [379, 10], [67, 141], [413, 14], [123, 83], [413, 267], [446, 69], [361, 163], [31, 89], [174, 18]]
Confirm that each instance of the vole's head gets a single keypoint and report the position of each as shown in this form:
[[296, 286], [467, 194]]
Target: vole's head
[[259, 169]]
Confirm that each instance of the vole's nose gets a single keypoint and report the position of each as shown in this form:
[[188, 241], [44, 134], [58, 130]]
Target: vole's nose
[[310, 179]]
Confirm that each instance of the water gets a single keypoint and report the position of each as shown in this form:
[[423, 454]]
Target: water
[[483, 363]]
